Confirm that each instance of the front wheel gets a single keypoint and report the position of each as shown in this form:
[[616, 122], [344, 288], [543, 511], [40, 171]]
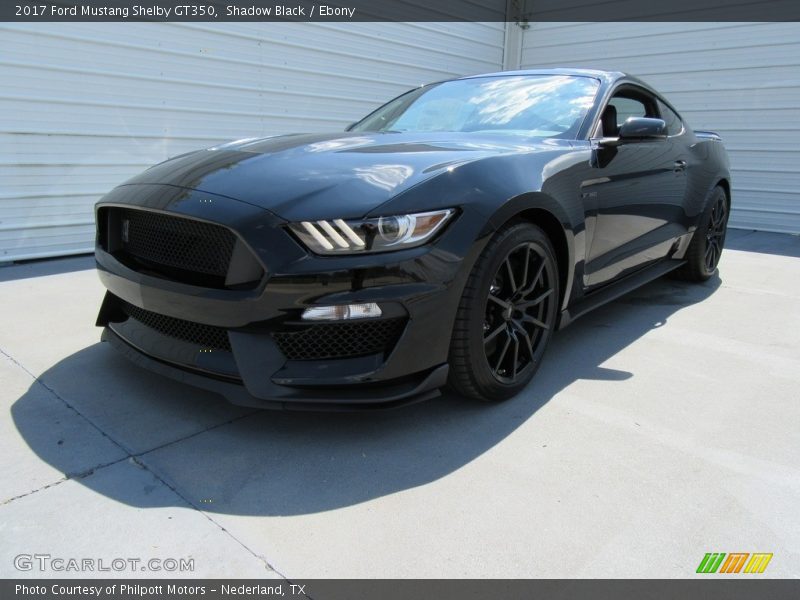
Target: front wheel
[[705, 249], [506, 315]]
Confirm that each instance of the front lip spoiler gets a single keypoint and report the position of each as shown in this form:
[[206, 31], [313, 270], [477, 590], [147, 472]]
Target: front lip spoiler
[[387, 396]]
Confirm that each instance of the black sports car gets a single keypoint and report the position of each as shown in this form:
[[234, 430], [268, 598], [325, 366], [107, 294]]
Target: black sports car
[[441, 239]]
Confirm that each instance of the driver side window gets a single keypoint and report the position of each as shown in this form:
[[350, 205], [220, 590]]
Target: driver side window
[[627, 103], [628, 107]]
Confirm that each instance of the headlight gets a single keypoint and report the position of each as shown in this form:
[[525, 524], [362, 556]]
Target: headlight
[[370, 235]]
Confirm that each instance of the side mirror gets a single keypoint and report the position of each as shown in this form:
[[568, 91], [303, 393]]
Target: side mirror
[[642, 129], [634, 129]]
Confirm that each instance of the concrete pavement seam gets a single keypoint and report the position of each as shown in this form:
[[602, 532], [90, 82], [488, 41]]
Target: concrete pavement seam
[[66, 477], [267, 564], [135, 457], [196, 433], [26, 494], [66, 403]]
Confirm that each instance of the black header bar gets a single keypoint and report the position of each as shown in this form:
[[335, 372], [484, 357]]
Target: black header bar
[[520, 11]]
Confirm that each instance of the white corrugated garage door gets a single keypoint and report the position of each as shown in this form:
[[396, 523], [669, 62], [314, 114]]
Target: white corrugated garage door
[[85, 106], [739, 79]]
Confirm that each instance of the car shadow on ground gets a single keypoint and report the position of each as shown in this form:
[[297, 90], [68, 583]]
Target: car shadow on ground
[[44, 267], [763, 243], [223, 459]]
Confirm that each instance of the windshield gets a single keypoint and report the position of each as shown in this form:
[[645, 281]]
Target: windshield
[[531, 105]]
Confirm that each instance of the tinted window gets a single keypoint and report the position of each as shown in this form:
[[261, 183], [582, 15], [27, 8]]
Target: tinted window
[[533, 105], [628, 107], [673, 121]]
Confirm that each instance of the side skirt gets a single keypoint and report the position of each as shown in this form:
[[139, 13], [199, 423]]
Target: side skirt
[[617, 289]]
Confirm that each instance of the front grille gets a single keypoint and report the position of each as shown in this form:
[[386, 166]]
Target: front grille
[[177, 248], [340, 340], [176, 242], [206, 336]]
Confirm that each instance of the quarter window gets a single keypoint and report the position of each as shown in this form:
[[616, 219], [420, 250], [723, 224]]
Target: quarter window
[[673, 121]]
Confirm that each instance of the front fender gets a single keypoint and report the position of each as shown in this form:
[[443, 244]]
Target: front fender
[[499, 188], [566, 231]]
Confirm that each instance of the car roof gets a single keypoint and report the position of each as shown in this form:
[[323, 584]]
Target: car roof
[[607, 76]]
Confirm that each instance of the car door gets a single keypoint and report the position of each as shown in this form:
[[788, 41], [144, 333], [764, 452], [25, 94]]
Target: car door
[[638, 189]]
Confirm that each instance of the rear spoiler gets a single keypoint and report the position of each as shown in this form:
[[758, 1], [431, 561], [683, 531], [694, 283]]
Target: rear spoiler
[[708, 135]]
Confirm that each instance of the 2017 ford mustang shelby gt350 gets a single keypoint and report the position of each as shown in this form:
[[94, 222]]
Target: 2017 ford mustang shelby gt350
[[441, 239]]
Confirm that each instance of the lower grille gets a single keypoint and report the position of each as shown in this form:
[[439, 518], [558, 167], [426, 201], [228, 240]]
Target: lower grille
[[340, 340], [206, 336]]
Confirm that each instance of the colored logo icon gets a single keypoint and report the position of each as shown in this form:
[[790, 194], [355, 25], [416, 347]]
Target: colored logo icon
[[735, 562]]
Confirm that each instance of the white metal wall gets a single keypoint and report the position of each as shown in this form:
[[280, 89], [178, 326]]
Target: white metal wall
[[85, 106], [739, 79]]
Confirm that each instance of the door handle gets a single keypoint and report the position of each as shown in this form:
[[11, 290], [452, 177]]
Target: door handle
[[679, 166]]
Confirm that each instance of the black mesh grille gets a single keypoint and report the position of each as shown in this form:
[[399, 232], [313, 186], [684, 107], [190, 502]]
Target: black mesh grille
[[206, 336], [340, 340], [176, 242]]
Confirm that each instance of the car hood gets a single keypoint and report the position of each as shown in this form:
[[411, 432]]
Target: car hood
[[306, 177]]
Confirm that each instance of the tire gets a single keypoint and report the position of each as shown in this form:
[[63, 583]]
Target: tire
[[705, 249], [506, 315]]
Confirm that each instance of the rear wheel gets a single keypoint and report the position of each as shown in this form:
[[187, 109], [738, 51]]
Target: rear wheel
[[705, 249], [506, 315]]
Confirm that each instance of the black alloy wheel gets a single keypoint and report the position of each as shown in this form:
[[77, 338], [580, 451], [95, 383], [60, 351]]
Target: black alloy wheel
[[506, 316], [715, 235], [516, 304], [705, 249]]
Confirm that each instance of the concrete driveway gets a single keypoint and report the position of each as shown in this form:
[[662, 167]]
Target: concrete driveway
[[661, 427]]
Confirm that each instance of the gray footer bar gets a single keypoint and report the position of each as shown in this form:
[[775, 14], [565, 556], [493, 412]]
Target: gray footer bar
[[710, 587]]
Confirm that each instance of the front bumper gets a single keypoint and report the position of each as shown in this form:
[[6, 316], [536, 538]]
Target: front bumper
[[418, 289]]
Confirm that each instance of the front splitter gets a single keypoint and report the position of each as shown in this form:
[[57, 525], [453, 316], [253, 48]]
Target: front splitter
[[385, 397]]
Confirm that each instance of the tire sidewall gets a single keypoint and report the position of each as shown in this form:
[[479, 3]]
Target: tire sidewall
[[714, 196]]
